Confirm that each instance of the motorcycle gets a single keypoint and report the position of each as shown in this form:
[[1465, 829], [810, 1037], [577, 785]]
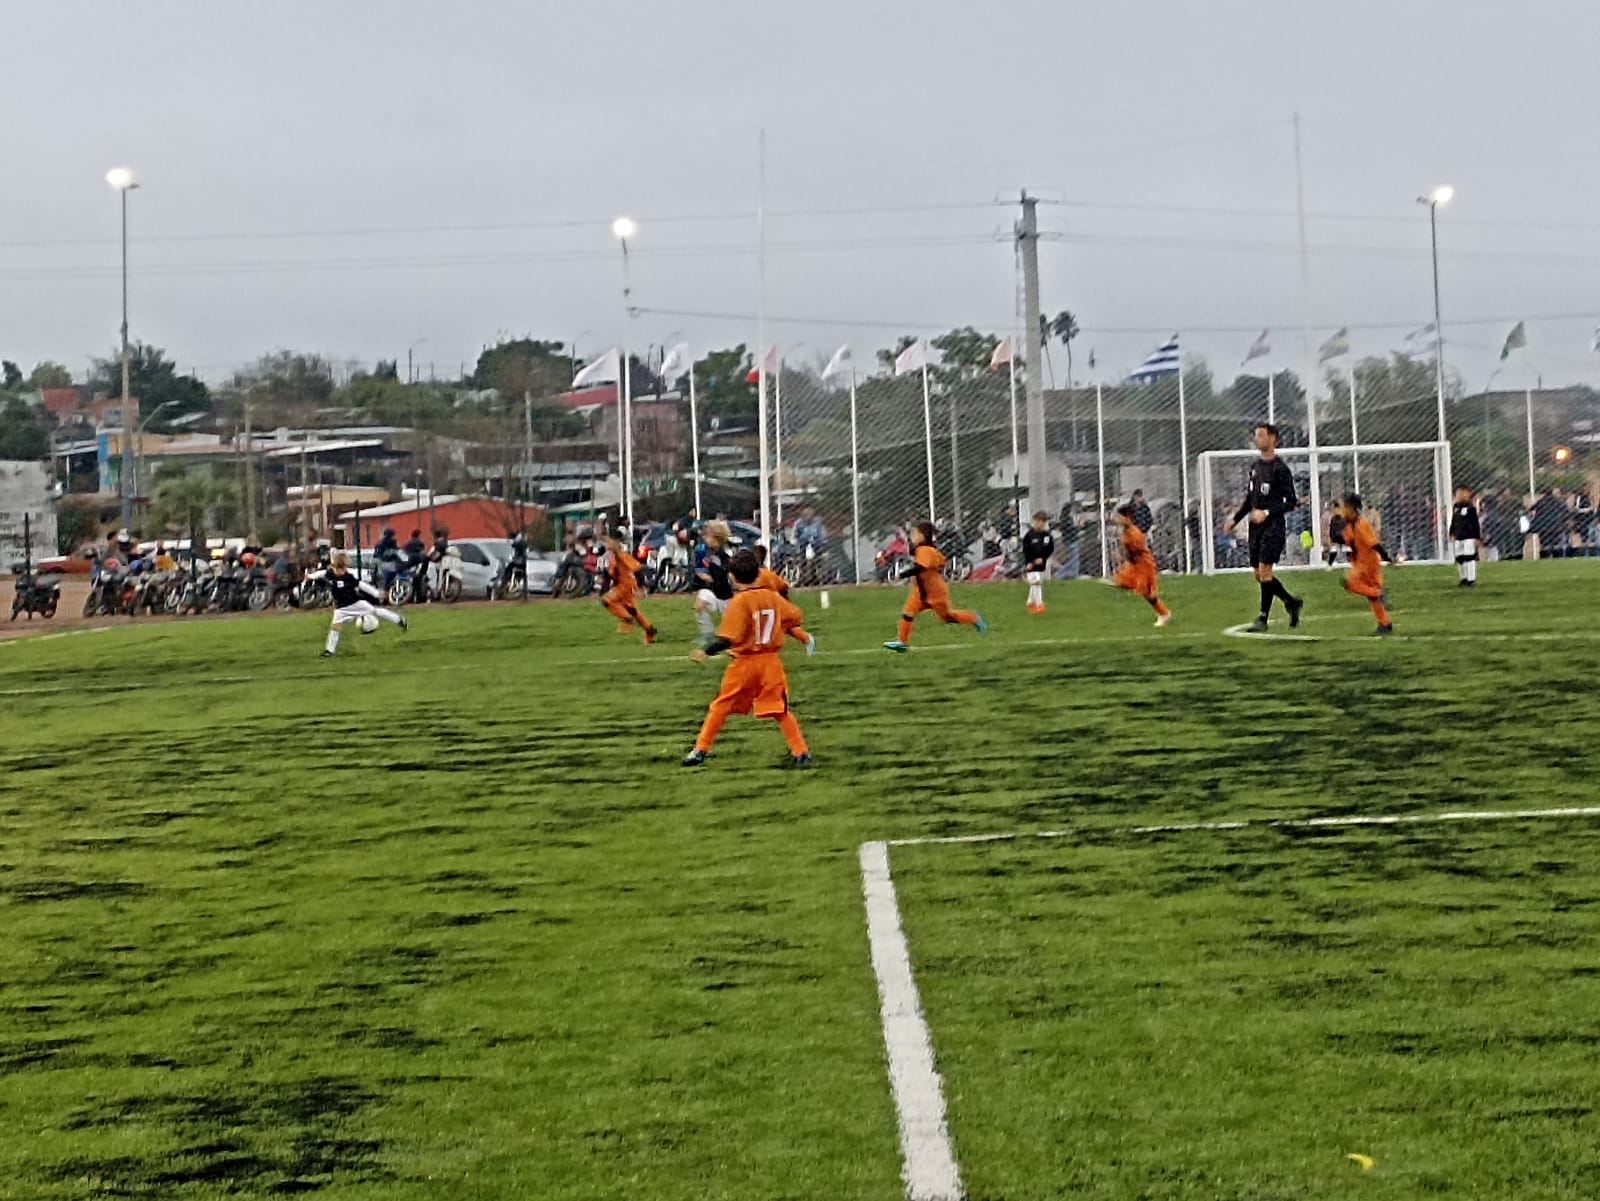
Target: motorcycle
[[445, 577], [952, 544], [575, 575], [673, 563], [35, 594], [512, 583], [893, 563]]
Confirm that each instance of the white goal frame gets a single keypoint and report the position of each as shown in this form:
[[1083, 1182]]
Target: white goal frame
[[1312, 456]]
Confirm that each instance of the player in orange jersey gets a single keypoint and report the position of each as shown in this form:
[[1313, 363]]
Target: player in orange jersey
[[624, 589], [929, 591], [1365, 576], [769, 578], [1138, 571], [752, 631]]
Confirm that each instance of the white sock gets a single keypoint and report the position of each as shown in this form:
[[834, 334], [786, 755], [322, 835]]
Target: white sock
[[388, 615], [1035, 594], [707, 626], [1472, 570], [333, 639]]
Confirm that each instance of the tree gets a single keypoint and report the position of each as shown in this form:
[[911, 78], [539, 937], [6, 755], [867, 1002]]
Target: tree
[[1065, 327], [154, 381], [12, 376], [965, 353], [21, 435], [286, 386], [524, 366], [49, 375], [722, 383], [195, 500], [886, 358], [77, 522]]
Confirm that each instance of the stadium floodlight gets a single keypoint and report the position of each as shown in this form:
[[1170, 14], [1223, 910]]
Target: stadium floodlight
[[122, 179], [1442, 194], [624, 228]]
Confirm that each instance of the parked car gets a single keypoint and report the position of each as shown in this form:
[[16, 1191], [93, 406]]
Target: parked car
[[483, 562]]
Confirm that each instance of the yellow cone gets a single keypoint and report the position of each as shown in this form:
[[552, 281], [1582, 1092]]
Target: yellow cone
[[1365, 1162]]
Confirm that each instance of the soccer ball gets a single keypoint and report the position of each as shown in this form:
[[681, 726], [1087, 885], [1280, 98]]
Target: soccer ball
[[368, 624]]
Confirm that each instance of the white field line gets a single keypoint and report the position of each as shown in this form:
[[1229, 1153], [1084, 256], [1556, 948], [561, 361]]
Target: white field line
[[928, 1159]]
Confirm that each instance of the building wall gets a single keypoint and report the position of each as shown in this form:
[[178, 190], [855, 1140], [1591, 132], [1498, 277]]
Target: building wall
[[471, 517], [25, 490]]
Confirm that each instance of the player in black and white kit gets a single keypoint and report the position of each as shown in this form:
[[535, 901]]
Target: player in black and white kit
[[1270, 497], [1466, 533], [1038, 544], [352, 600]]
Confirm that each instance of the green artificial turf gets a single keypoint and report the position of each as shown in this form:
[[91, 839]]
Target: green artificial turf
[[442, 917]]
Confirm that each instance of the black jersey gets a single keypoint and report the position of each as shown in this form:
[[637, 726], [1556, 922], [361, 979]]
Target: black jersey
[[348, 590], [712, 565], [1271, 488], [1037, 547], [1464, 523]]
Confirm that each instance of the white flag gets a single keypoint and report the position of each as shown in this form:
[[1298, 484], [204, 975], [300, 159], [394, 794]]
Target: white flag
[[1595, 348], [1338, 344], [839, 365], [1259, 348], [1421, 342], [912, 358], [1002, 355], [677, 363], [607, 369]]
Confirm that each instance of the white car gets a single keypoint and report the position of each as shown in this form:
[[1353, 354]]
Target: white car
[[483, 560]]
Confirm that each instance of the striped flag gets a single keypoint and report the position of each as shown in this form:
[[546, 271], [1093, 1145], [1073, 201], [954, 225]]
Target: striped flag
[[771, 365], [1421, 342], [1335, 346], [1594, 347], [1162, 361], [1258, 349]]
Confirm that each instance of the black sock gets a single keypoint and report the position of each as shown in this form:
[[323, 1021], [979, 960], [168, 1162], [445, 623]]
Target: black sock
[[1268, 590], [1280, 591]]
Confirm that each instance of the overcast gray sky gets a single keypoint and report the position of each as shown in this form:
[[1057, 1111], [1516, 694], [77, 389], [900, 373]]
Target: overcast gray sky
[[356, 177]]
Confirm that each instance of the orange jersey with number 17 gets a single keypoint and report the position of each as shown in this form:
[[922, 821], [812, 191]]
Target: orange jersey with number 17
[[757, 622]]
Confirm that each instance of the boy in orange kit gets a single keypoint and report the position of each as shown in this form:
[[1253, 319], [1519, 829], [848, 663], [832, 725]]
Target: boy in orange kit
[[929, 591], [1138, 571], [624, 588], [1365, 576], [752, 631]]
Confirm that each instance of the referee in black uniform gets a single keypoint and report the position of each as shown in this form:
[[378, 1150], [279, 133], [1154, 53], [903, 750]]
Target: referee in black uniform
[[1271, 496]]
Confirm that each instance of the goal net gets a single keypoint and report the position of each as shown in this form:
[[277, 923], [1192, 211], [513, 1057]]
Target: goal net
[[1404, 487]]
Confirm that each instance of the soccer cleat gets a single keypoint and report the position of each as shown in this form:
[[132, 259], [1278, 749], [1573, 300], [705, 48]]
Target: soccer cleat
[[694, 758], [650, 637], [1464, 584], [1294, 604], [1383, 631], [799, 762], [326, 655], [982, 625], [1258, 626], [1164, 619], [404, 624], [811, 646], [895, 645]]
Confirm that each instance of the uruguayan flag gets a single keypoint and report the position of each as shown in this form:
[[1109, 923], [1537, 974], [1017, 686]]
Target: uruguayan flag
[[1163, 361]]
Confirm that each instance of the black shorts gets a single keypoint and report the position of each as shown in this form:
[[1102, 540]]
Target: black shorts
[[1266, 543]]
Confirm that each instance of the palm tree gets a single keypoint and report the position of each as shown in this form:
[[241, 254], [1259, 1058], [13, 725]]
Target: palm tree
[[1065, 327]]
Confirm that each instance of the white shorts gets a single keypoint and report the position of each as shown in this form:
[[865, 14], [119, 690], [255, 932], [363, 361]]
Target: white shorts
[[1036, 577], [353, 612], [710, 600], [1466, 548]]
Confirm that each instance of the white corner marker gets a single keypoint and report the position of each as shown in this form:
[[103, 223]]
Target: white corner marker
[[929, 1162]]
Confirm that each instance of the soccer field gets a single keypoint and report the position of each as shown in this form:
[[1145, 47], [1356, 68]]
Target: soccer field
[[443, 918]]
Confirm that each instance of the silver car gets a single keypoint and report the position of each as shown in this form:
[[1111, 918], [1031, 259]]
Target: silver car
[[483, 562]]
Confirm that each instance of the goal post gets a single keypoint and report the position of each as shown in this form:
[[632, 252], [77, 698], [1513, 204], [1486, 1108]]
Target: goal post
[[1404, 488]]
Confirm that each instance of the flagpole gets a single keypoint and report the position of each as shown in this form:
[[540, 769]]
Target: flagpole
[[955, 461], [1310, 382], [765, 484], [627, 398], [694, 441], [777, 442], [1016, 450], [1183, 449], [855, 487], [1272, 399], [927, 433], [1532, 488], [1100, 454], [1355, 437]]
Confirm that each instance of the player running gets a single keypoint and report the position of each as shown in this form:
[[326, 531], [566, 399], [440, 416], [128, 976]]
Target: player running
[[1270, 497], [1365, 576], [769, 578], [621, 600], [752, 631], [352, 600], [713, 588], [929, 591], [1138, 571]]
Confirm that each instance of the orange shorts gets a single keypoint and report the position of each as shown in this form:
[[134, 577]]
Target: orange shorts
[[920, 600], [1362, 584], [1138, 579], [754, 684], [619, 596]]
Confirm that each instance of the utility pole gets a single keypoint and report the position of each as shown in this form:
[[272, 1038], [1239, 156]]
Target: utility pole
[[1027, 236]]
